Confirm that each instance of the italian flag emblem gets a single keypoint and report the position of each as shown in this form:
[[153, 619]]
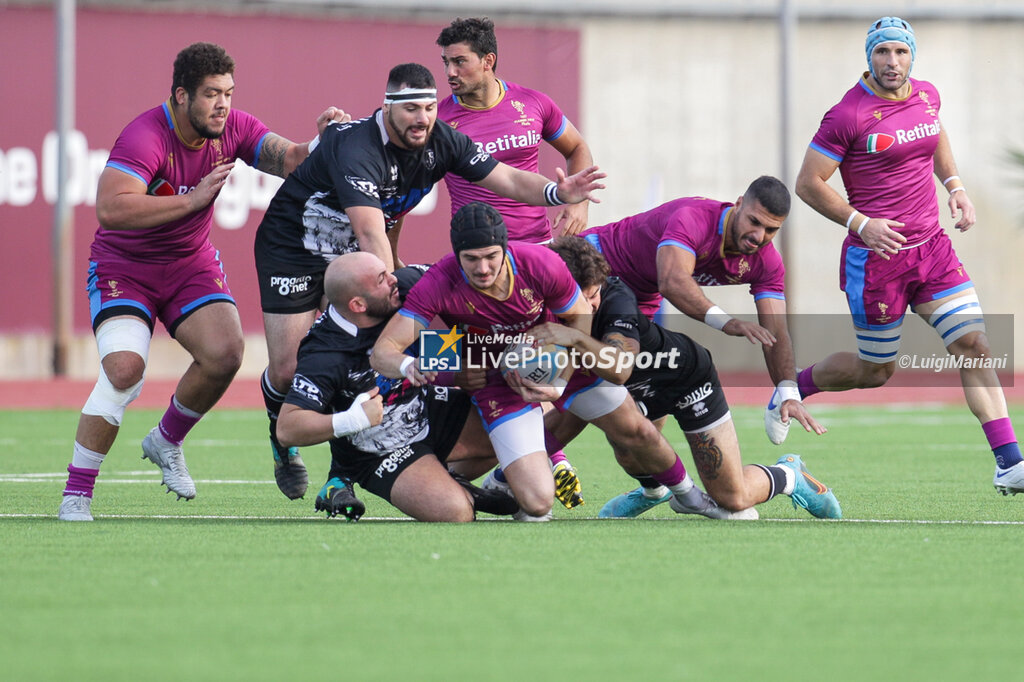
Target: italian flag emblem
[[879, 142]]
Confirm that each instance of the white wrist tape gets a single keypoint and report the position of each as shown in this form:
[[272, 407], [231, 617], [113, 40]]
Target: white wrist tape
[[353, 419], [716, 318], [404, 367], [788, 390], [861, 227], [951, 177], [850, 219], [313, 143], [956, 189]]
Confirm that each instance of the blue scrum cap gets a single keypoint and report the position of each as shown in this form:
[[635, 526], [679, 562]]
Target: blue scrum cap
[[889, 29]]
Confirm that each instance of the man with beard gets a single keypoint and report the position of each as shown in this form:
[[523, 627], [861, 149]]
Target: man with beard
[[681, 381], [675, 249], [886, 140], [496, 289], [351, 196], [152, 259], [389, 436]]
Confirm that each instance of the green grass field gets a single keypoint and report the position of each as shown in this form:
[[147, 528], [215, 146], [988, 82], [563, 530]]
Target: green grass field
[[920, 581]]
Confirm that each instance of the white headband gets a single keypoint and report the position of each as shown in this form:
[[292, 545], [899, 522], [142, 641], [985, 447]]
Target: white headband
[[411, 95]]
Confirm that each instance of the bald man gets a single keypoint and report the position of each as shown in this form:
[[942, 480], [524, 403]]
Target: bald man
[[390, 437]]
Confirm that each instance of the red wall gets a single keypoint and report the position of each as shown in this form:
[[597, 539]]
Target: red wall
[[288, 70]]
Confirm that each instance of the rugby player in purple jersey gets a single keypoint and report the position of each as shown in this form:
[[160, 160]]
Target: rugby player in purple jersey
[[492, 288], [152, 259], [887, 141], [675, 249]]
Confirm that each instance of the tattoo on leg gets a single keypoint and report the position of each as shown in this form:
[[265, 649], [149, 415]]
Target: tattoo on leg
[[706, 455]]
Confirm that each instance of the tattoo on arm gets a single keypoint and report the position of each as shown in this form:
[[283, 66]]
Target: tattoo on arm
[[272, 155], [706, 455]]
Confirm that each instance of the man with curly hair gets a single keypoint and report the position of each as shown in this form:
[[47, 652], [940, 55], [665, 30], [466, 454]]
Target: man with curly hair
[[152, 259]]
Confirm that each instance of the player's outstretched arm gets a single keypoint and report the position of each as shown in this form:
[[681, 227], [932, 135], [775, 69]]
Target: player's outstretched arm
[[388, 356], [780, 360], [536, 190], [297, 427], [280, 156], [676, 283]]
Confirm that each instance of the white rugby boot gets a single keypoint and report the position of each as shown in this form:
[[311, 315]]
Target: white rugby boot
[[171, 461], [75, 508], [1010, 481]]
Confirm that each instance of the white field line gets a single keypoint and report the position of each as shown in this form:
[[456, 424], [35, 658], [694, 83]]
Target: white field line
[[403, 519]]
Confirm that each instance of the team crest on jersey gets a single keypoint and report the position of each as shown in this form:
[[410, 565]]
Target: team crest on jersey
[[453, 125], [879, 142], [471, 308], [743, 268], [428, 159], [520, 108], [363, 185], [114, 291], [877, 114], [219, 282], [883, 315], [930, 109], [493, 409], [218, 150]]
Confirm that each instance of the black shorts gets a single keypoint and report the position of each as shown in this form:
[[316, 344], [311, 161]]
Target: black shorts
[[447, 410], [291, 281], [696, 401]]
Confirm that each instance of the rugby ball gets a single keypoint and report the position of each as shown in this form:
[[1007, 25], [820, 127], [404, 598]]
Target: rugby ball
[[539, 365]]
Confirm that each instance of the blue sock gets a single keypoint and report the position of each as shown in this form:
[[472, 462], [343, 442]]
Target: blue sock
[[1007, 455]]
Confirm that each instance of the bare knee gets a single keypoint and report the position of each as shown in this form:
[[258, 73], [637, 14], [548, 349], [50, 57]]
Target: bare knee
[[124, 369], [534, 503], [223, 361], [873, 375]]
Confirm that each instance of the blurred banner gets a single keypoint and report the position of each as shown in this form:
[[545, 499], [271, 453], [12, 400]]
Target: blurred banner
[[288, 70]]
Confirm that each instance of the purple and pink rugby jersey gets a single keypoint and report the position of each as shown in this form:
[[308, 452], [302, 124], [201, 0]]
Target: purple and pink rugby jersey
[[511, 131], [693, 223]]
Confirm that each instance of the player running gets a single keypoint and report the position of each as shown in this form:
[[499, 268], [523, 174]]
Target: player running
[[887, 141], [152, 259]]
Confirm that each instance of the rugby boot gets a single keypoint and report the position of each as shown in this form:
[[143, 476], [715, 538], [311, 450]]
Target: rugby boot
[[809, 492]]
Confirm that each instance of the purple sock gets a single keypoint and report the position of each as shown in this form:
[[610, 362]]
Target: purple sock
[[80, 481], [554, 448], [1003, 442], [175, 424], [671, 476], [806, 384]]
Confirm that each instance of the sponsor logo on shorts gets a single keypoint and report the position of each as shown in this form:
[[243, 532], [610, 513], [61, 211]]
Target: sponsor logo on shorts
[[695, 397], [391, 463], [291, 285]]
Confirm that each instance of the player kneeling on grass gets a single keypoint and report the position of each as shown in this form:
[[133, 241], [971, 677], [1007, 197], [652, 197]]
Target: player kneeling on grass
[[389, 436], [677, 377], [496, 288]]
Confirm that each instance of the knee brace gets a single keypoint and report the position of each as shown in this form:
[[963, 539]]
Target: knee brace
[[955, 318], [121, 334]]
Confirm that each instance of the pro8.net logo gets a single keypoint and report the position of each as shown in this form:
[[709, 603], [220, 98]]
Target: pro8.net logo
[[440, 352]]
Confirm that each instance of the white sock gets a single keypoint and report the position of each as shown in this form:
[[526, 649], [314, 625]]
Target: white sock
[[790, 481], [684, 486], [84, 458], [654, 493]]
